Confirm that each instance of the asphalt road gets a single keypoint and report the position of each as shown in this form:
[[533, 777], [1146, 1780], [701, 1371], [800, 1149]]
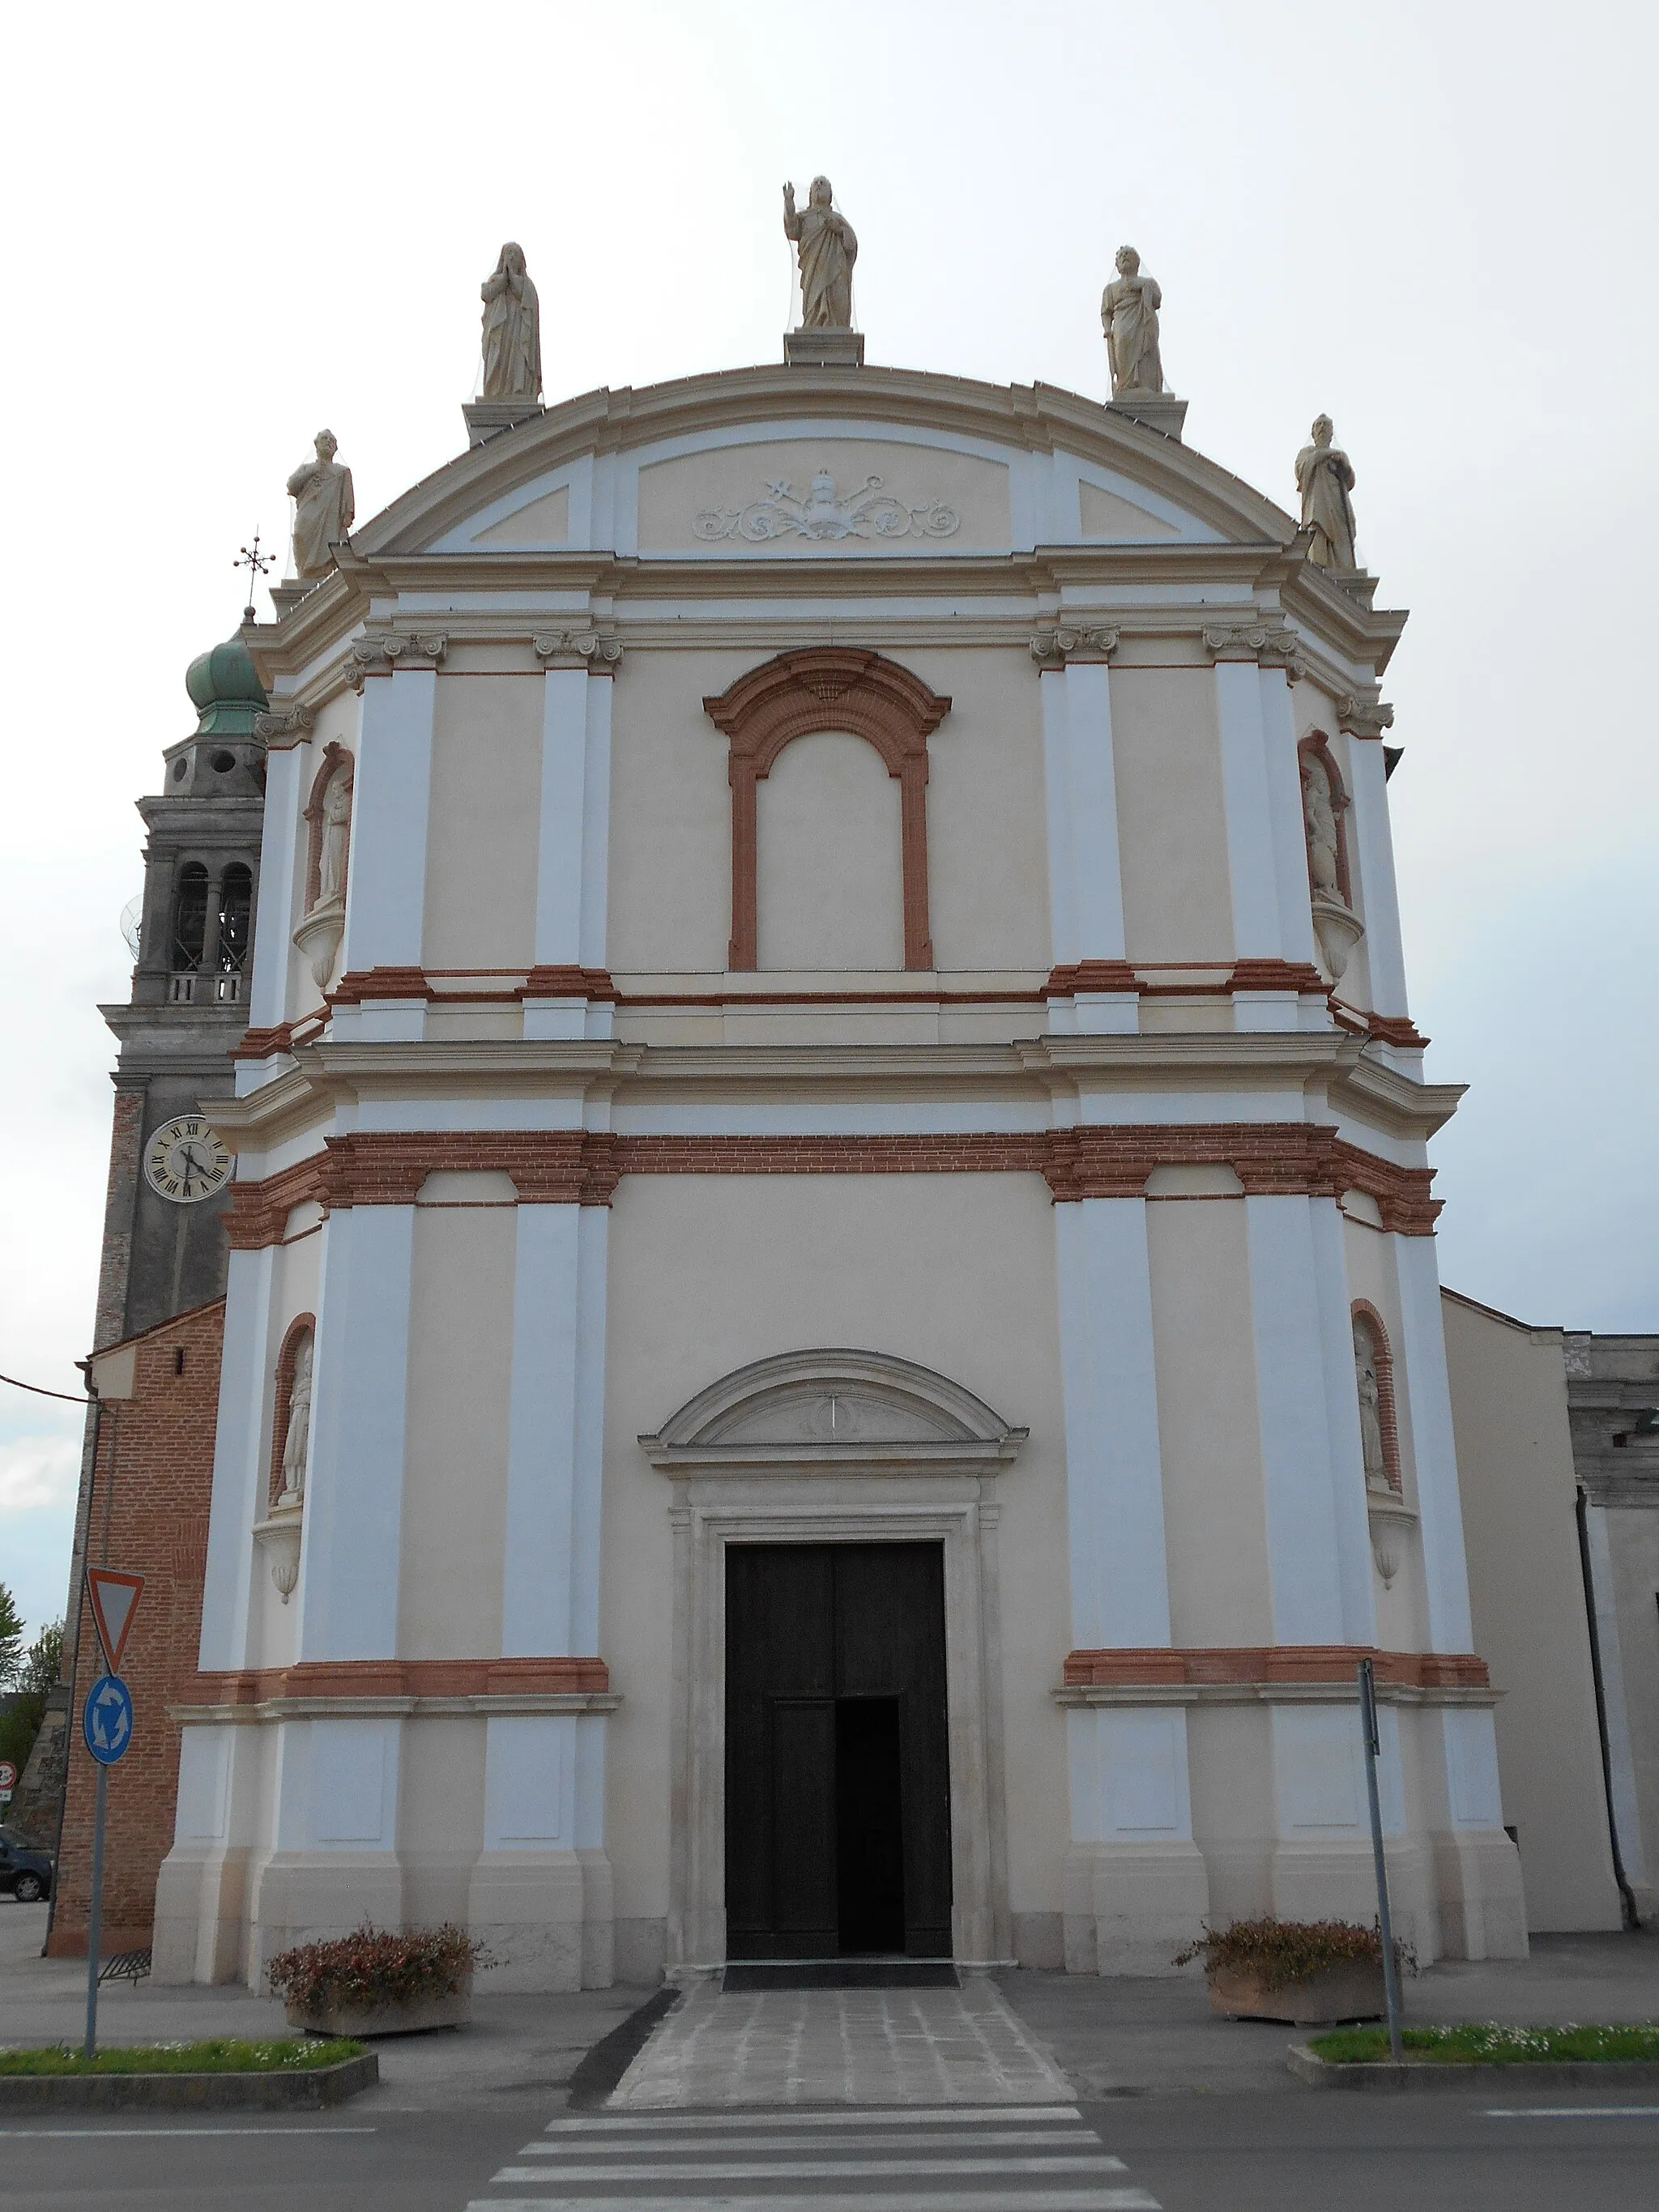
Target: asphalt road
[[1300, 2153]]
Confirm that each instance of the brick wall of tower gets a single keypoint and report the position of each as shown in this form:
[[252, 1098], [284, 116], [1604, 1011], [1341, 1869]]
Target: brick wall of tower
[[152, 1488], [125, 1148]]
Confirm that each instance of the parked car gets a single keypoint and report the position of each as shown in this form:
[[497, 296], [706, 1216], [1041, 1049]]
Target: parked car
[[24, 1872]]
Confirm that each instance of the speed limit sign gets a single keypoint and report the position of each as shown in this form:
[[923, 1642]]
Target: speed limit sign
[[8, 1780]]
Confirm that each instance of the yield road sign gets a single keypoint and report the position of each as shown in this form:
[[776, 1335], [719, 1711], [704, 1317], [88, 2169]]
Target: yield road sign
[[114, 1601], [106, 1719]]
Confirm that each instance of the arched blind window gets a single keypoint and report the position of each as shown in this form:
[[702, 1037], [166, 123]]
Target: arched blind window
[[236, 918], [190, 908]]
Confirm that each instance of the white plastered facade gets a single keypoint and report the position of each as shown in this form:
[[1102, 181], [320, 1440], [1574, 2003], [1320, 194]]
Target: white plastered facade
[[547, 1168]]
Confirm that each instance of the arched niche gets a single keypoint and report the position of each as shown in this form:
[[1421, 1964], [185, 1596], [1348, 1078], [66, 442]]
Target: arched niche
[[828, 689]]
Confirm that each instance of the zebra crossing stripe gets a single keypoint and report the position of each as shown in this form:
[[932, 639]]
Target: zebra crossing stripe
[[959, 2200]]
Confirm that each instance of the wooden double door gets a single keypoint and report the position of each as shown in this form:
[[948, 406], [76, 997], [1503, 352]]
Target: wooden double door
[[837, 1765]]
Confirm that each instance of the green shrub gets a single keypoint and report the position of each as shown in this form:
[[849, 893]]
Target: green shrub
[[1489, 2043], [1281, 1953], [222, 2055], [374, 1967]]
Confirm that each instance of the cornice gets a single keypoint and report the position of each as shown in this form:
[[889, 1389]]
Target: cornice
[[1036, 418], [1373, 1091]]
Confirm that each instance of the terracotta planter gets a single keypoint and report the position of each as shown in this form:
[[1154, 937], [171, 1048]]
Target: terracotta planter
[[412, 2018], [1354, 1992]]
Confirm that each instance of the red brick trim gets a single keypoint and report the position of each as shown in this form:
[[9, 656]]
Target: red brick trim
[[398, 1678], [1382, 1360], [563, 983], [1268, 1664], [574, 1167], [828, 688], [380, 983], [1298, 976], [1091, 976], [1392, 1029], [301, 1326], [260, 1044], [335, 761]]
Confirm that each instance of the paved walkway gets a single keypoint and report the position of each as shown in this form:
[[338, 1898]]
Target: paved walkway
[[922, 2047], [953, 2158]]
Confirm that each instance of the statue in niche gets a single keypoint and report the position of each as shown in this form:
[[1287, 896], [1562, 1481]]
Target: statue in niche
[[1129, 315], [1370, 1410], [332, 854], [512, 330], [1324, 477], [1319, 819], [828, 249], [324, 509], [298, 1440]]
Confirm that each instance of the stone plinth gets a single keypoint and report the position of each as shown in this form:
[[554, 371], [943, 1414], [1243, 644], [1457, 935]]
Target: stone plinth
[[1159, 411], [823, 349], [488, 418]]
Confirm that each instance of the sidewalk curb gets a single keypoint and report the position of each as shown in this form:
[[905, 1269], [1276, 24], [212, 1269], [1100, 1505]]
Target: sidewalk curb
[[601, 2067], [309, 2088], [1563, 2074]]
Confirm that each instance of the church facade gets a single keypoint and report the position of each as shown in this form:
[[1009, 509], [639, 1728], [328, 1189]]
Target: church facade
[[832, 1338]]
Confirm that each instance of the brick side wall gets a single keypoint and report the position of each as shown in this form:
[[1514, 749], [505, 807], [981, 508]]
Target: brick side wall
[[152, 1487]]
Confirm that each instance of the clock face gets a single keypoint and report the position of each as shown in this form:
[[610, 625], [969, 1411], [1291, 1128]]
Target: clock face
[[185, 1162]]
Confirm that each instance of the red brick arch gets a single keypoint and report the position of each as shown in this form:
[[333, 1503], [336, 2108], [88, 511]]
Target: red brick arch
[[828, 688]]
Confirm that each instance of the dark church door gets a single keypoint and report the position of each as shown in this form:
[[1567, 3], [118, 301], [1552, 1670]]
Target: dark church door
[[837, 1773]]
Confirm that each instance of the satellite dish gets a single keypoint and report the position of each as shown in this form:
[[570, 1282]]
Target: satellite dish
[[132, 913]]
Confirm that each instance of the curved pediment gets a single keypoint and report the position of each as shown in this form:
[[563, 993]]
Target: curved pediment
[[796, 463], [849, 1408]]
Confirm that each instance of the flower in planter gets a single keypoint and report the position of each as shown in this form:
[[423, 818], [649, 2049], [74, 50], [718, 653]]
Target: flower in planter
[[1280, 1953], [377, 1966]]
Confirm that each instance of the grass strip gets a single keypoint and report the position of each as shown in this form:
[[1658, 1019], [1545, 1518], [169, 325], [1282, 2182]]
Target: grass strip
[[220, 2054], [1489, 2043]]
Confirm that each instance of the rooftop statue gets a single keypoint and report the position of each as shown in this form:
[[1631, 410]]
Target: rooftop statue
[[1324, 477], [1129, 315], [512, 330], [323, 508], [828, 251]]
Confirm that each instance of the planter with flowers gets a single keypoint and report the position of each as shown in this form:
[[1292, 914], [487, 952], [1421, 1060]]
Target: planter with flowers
[[1307, 1973], [378, 1983]]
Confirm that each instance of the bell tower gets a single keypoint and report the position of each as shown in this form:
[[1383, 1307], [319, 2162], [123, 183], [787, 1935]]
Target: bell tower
[[164, 1250]]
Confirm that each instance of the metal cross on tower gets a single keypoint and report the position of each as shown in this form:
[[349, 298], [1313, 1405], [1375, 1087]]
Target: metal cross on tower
[[256, 563]]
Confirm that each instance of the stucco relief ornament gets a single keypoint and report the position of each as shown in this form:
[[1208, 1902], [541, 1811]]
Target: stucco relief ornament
[[823, 517]]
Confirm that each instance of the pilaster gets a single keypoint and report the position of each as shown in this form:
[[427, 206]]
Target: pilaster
[[1086, 890], [348, 1572], [386, 891]]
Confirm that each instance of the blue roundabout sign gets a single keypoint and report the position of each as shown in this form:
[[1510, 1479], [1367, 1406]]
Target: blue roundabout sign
[[106, 1719]]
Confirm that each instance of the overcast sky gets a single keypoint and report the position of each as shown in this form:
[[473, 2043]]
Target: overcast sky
[[225, 228]]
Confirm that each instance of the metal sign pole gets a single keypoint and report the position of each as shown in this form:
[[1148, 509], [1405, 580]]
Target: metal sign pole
[[95, 1924], [1373, 1745]]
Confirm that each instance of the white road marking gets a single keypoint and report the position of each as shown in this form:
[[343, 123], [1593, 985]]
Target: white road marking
[[786, 2169], [969, 2199], [859, 2116], [1571, 2113], [111, 2135], [993, 2138]]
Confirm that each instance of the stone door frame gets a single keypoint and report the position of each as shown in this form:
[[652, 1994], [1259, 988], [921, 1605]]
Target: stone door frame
[[958, 1510]]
